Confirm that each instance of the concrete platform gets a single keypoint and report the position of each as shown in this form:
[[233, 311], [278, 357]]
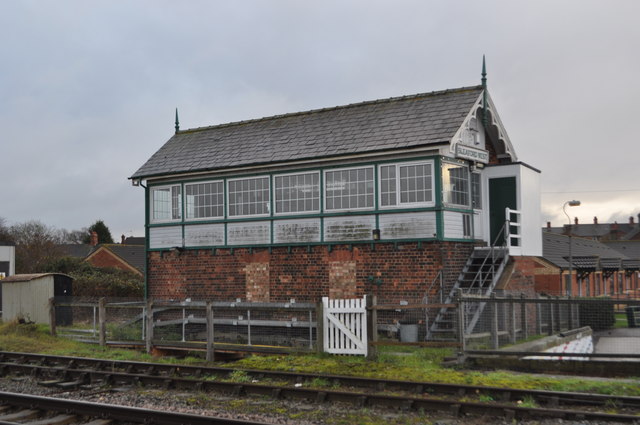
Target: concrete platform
[[618, 341]]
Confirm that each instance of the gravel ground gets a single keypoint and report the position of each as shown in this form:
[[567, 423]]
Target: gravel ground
[[257, 409]]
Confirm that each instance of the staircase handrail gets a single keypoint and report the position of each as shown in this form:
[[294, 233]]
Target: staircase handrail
[[437, 278], [491, 254]]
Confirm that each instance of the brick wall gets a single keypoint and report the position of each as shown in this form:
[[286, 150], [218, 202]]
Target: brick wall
[[392, 272]]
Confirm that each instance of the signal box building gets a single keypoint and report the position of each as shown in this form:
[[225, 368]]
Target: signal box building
[[376, 197]]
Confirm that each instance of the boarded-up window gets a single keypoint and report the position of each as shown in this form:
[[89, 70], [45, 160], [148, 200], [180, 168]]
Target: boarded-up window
[[342, 279]]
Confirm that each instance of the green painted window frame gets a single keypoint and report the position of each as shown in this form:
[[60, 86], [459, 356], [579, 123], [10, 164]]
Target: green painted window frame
[[172, 208], [210, 217]]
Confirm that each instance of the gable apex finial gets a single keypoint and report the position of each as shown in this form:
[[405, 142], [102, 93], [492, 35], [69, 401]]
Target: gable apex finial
[[484, 74], [484, 93], [177, 121]]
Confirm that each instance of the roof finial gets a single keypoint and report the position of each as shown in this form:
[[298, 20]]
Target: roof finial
[[177, 122], [484, 74], [484, 93]]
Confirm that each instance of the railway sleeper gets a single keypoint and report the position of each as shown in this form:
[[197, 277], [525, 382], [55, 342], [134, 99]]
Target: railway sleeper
[[62, 419], [20, 415]]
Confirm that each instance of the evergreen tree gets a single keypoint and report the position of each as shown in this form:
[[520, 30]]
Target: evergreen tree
[[104, 235]]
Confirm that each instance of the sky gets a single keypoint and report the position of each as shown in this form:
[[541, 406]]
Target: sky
[[88, 89]]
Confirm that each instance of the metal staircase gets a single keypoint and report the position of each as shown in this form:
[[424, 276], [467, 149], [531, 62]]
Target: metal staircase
[[479, 277]]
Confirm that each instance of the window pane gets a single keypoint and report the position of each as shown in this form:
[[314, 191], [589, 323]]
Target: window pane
[[349, 189], [476, 191], [293, 190], [455, 181], [415, 183], [387, 185], [204, 200], [249, 196]]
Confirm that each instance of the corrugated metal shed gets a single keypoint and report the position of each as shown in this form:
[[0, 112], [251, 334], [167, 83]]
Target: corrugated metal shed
[[27, 296]]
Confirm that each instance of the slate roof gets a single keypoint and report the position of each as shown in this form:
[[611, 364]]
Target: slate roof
[[134, 240], [629, 248], [132, 254], [401, 122], [601, 231], [555, 249], [77, 250]]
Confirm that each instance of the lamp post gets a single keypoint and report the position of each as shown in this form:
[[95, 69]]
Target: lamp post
[[573, 203]]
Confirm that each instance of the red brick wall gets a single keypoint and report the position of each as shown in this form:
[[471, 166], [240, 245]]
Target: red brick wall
[[404, 272]]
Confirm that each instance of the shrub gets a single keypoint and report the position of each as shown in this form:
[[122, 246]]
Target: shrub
[[597, 315]]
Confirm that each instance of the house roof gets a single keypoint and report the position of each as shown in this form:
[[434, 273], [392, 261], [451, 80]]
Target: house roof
[[555, 249], [419, 120], [602, 231], [29, 277], [132, 255], [630, 248], [77, 250], [134, 240]]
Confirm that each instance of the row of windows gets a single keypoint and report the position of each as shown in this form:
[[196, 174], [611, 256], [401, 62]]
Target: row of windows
[[404, 185]]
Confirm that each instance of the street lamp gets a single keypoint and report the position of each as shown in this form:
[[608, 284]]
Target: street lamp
[[573, 203]]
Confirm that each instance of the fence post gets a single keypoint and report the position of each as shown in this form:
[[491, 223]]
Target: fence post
[[102, 322], [149, 335], [319, 327], [495, 340], [552, 321], [461, 324], [523, 318], [210, 350], [372, 324], [512, 325], [538, 317], [52, 315]]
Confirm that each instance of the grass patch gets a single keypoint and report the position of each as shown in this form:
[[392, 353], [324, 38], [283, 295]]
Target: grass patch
[[416, 364], [423, 365]]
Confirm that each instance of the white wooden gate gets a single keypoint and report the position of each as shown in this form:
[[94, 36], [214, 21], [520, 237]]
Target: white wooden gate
[[345, 326]]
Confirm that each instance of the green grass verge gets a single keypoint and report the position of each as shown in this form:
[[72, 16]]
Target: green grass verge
[[414, 364]]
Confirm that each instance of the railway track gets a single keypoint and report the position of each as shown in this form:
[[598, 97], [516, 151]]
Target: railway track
[[69, 373], [21, 409]]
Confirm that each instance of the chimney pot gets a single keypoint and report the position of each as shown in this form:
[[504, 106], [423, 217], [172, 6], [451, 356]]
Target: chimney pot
[[595, 220], [94, 238], [631, 220], [122, 238], [548, 225], [575, 220]]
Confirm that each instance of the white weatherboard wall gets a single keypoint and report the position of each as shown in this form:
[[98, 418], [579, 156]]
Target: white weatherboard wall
[[479, 231], [453, 227], [528, 202], [28, 300], [165, 237], [8, 253]]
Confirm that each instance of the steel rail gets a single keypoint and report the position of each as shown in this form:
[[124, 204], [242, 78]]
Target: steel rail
[[111, 411], [358, 399], [74, 369]]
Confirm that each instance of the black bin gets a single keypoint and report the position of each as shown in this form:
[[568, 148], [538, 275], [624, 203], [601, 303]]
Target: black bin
[[633, 316]]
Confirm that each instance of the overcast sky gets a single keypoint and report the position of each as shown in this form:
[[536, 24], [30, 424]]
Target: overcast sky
[[88, 89]]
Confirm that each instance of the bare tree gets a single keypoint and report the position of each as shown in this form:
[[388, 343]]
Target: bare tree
[[36, 245], [5, 233], [72, 236]]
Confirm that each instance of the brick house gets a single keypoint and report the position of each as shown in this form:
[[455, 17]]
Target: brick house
[[597, 269], [377, 197], [128, 257]]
